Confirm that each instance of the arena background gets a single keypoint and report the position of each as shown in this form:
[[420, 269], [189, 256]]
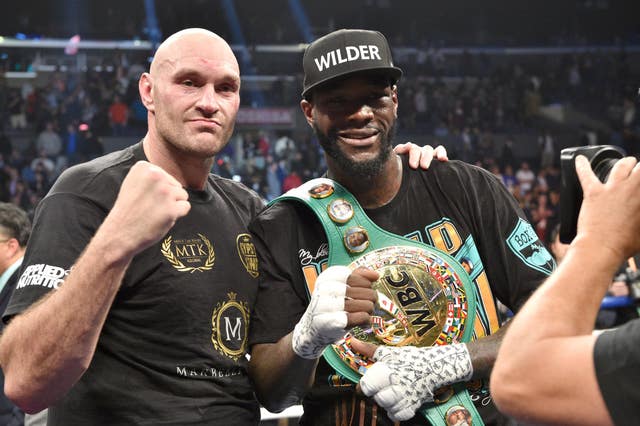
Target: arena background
[[500, 83]]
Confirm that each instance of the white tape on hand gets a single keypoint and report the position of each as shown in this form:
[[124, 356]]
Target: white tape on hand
[[325, 319], [404, 378]]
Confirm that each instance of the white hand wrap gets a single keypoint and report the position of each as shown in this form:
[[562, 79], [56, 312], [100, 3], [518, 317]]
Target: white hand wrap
[[325, 319], [404, 378]]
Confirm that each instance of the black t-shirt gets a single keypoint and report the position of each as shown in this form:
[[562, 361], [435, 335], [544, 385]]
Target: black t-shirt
[[617, 360], [461, 209], [172, 349]]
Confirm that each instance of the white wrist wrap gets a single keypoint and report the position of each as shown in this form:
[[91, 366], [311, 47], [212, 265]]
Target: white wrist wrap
[[325, 319], [404, 378]]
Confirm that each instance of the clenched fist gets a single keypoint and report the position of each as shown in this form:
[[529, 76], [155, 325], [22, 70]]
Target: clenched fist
[[148, 204]]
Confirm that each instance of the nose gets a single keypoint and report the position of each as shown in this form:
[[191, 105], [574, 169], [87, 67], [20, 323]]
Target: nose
[[361, 112], [208, 101]]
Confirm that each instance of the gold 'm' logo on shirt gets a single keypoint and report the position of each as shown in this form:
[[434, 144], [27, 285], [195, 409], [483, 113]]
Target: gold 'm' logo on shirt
[[189, 254], [230, 321]]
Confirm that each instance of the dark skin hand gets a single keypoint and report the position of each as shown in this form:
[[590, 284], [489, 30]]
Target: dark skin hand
[[360, 297]]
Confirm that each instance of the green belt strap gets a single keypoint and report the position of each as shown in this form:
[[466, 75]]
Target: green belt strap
[[320, 203]]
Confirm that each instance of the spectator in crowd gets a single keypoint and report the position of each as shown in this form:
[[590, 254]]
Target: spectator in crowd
[[49, 142], [273, 181], [118, 116], [16, 107], [71, 143], [508, 178], [292, 180], [525, 177], [15, 228], [284, 146], [90, 145]]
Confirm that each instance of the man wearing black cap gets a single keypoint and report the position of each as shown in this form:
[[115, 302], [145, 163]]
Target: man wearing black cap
[[305, 303]]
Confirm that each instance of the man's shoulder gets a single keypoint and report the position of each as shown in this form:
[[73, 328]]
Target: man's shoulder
[[279, 210], [454, 169], [97, 177], [283, 212], [236, 191]]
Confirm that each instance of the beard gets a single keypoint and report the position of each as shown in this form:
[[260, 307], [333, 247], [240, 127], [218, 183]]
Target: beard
[[361, 169]]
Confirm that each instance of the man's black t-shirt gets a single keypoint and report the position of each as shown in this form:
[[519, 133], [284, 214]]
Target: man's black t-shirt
[[617, 360], [172, 349], [461, 209]]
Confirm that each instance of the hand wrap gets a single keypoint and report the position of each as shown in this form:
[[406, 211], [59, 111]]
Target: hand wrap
[[404, 378], [325, 319]]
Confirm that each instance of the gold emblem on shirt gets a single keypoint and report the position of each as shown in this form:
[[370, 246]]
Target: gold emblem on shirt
[[230, 321], [189, 254], [247, 253]]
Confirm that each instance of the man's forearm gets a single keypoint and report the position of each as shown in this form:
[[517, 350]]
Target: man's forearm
[[545, 369], [281, 377], [40, 367], [483, 353]]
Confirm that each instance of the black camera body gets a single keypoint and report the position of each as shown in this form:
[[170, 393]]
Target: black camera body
[[602, 159]]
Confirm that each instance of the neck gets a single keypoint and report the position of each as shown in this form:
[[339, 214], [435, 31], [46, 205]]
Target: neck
[[191, 171], [13, 259], [374, 191]]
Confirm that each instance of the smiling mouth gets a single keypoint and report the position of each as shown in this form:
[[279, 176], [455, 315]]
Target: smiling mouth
[[359, 138]]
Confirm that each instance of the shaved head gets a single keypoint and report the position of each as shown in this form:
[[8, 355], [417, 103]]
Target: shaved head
[[189, 43], [192, 95]]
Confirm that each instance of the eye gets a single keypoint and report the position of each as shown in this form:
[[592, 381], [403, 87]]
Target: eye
[[227, 88], [188, 83]]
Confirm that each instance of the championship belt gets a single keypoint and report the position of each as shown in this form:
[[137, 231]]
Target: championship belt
[[425, 297]]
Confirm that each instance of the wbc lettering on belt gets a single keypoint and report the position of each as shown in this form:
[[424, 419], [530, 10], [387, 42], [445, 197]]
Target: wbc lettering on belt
[[409, 296], [360, 52]]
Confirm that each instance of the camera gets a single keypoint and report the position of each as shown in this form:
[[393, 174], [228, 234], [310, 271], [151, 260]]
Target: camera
[[602, 159]]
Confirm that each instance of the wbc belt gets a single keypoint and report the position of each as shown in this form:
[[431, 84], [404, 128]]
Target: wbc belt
[[425, 297]]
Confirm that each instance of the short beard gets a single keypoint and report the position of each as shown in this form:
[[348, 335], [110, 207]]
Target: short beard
[[361, 169]]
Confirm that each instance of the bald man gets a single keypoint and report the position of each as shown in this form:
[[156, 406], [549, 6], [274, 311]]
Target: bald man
[[132, 305], [133, 302]]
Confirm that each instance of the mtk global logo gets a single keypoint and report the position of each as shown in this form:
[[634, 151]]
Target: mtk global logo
[[189, 254]]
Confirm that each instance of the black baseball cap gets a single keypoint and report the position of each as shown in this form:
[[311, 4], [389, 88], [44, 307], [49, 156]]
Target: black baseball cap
[[344, 52]]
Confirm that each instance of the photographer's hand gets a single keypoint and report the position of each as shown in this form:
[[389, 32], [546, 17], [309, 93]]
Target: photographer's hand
[[617, 230]]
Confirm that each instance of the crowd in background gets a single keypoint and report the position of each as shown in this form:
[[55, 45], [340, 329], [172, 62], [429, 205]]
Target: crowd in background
[[477, 104]]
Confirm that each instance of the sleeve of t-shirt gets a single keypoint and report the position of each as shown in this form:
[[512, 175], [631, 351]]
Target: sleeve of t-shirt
[[63, 226], [516, 260], [281, 298], [616, 357]]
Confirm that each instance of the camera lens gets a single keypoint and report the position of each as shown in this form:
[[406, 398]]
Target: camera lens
[[602, 159]]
